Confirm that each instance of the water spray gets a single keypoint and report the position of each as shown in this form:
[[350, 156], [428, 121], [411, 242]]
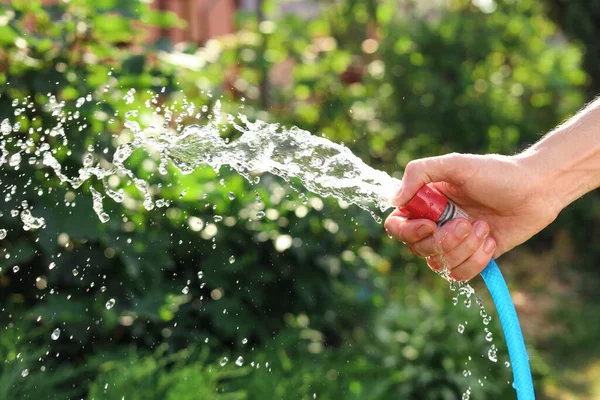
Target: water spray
[[430, 204], [323, 167]]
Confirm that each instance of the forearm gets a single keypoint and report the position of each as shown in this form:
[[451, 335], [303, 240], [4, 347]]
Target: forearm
[[567, 160]]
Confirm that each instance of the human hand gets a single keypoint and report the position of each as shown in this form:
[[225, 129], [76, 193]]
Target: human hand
[[506, 199]]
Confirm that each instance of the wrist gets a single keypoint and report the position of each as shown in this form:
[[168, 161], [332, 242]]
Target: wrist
[[544, 182], [560, 171]]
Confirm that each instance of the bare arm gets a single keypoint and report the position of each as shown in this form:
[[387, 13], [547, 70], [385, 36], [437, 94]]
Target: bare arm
[[508, 198], [568, 158]]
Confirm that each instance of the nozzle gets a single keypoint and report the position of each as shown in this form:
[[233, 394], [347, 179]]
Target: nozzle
[[430, 204]]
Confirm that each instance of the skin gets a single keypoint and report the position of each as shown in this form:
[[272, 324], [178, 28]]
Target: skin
[[508, 198]]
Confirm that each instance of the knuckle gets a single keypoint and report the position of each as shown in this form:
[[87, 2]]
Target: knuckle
[[414, 249], [452, 156], [438, 240], [412, 168], [473, 243]]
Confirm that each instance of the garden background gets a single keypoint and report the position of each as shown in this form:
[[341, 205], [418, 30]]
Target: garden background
[[318, 291]]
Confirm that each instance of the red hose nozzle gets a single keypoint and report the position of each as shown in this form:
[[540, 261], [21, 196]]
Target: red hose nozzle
[[430, 204]]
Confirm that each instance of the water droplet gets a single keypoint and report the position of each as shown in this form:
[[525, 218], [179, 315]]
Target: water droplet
[[453, 285], [110, 304], [240, 361], [244, 341], [15, 160], [492, 354], [16, 269], [231, 196], [489, 337], [467, 302], [148, 204], [466, 395], [218, 218], [55, 334], [31, 222], [454, 301], [200, 274], [24, 373], [3, 233], [6, 127], [52, 265], [75, 272], [185, 290], [260, 214], [224, 361], [231, 260], [97, 205], [506, 364]]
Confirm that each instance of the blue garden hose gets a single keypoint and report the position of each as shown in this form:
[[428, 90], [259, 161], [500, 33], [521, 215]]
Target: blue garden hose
[[509, 320], [430, 203]]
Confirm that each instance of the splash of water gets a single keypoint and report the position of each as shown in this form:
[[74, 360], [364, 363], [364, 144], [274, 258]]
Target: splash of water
[[322, 166]]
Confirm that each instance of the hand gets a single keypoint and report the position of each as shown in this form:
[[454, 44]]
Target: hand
[[506, 199]]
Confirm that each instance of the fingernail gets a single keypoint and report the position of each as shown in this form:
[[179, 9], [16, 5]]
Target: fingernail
[[404, 211], [481, 230], [489, 245], [390, 228], [462, 229], [455, 276], [434, 263], [424, 230]]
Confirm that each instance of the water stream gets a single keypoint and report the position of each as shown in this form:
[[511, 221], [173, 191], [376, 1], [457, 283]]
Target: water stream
[[320, 165]]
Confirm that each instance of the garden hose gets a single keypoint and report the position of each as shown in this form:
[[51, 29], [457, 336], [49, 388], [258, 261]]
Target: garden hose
[[429, 203], [509, 320]]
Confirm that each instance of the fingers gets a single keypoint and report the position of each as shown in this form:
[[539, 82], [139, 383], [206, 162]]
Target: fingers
[[476, 263], [461, 247], [444, 240], [407, 230], [469, 257], [458, 254], [427, 170]]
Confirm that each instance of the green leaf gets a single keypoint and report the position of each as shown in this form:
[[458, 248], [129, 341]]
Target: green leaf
[[340, 61], [385, 12], [134, 65], [7, 36], [112, 28]]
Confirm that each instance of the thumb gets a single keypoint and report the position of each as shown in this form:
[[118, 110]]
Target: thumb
[[424, 171]]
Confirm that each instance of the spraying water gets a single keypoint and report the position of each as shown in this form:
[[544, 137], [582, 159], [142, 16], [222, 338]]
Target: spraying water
[[322, 166]]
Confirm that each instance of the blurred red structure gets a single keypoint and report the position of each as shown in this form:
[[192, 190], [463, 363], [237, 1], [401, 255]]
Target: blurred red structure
[[204, 19]]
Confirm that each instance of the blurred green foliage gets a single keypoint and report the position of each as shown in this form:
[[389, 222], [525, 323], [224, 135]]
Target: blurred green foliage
[[577, 20], [341, 313]]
